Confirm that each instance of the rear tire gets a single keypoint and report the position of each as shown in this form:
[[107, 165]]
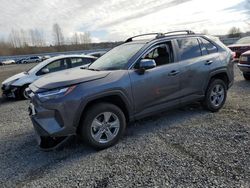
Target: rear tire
[[103, 125], [216, 95], [246, 76]]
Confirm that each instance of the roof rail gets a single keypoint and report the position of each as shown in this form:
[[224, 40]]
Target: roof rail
[[158, 35], [189, 32]]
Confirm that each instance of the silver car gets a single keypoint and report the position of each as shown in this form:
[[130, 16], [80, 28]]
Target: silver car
[[14, 87], [33, 59]]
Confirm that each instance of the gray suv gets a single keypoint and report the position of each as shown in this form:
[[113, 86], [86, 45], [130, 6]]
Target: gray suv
[[136, 79]]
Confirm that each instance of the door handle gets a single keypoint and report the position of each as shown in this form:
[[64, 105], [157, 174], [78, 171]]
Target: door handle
[[208, 62], [173, 73]]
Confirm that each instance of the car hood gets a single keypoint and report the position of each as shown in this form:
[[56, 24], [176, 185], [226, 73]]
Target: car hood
[[246, 53], [15, 77], [68, 77], [238, 45]]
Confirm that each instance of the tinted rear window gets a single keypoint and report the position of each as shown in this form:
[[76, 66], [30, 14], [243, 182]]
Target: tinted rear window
[[188, 48]]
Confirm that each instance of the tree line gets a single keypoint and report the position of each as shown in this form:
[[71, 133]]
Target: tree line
[[234, 32], [36, 38], [34, 41]]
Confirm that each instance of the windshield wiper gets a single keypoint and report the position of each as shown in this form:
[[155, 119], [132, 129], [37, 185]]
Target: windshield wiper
[[93, 69]]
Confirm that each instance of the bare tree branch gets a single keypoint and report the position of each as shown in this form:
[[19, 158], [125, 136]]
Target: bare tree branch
[[58, 35]]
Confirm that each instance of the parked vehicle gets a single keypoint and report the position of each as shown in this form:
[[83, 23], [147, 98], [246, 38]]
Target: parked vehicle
[[8, 62], [244, 64], [241, 46], [33, 59], [45, 57], [134, 80], [97, 54], [20, 61], [1, 63], [15, 86]]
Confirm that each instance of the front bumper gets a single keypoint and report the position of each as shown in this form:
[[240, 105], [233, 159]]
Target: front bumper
[[51, 123], [10, 91], [244, 67]]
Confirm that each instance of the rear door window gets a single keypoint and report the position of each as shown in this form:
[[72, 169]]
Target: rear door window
[[76, 62], [211, 48], [203, 48], [188, 48], [55, 66]]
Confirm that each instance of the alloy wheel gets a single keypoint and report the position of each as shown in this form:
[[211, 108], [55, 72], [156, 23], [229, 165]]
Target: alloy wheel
[[105, 127], [217, 95], [25, 95]]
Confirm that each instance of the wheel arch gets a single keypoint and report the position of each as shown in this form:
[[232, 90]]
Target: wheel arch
[[117, 98], [219, 74]]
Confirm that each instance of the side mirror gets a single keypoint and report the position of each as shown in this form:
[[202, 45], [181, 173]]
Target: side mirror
[[146, 64], [45, 71]]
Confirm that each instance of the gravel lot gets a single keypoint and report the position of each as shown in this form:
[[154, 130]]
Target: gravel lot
[[187, 147]]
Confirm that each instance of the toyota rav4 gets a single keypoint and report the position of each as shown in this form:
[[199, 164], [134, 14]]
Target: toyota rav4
[[136, 79]]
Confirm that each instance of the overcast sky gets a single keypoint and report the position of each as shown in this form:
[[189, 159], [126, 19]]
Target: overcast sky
[[110, 20]]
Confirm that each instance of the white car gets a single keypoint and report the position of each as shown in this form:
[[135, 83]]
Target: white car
[[8, 62], [15, 86]]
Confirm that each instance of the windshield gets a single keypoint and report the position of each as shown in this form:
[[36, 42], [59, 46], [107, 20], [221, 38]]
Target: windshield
[[36, 66], [30, 69], [245, 40], [116, 58]]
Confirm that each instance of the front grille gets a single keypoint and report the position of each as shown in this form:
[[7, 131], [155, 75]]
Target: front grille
[[237, 55], [245, 48], [235, 49], [3, 87]]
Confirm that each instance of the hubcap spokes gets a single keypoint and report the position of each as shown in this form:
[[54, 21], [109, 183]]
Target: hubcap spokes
[[105, 127], [25, 95], [217, 95]]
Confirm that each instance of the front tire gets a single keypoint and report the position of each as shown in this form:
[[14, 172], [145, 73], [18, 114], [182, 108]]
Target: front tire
[[216, 95], [22, 93], [246, 76], [103, 125]]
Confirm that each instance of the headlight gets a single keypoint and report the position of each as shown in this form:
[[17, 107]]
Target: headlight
[[8, 84], [54, 94], [243, 58]]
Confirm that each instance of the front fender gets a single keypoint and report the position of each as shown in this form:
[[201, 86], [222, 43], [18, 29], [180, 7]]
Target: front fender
[[92, 98], [24, 81]]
